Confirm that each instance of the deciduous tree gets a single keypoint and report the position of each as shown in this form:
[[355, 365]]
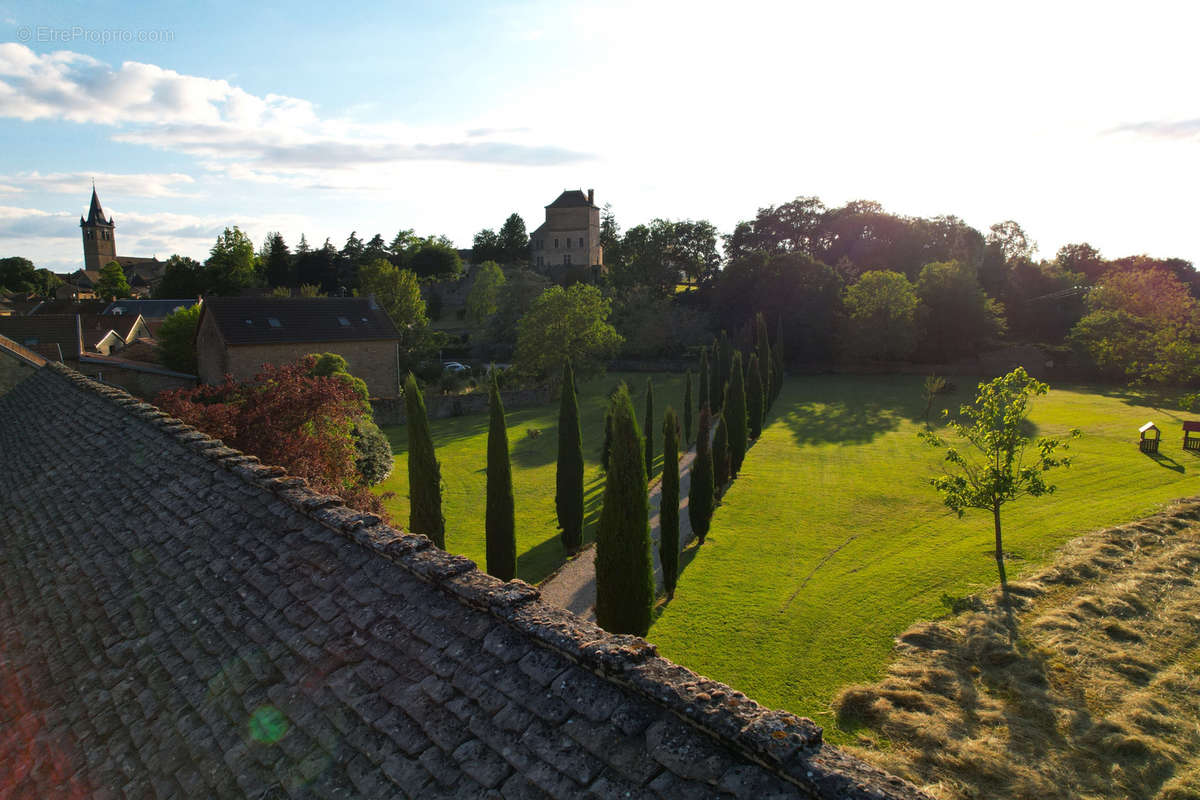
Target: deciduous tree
[[882, 316], [995, 465], [231, 264], [624, 567], [112, 283], [566, 323], [484, 297]]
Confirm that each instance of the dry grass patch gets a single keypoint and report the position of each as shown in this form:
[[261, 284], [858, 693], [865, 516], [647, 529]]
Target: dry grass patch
[[1082, 682]]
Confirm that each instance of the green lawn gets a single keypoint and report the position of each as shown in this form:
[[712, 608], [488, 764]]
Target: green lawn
[[831, 541], [461, 444]]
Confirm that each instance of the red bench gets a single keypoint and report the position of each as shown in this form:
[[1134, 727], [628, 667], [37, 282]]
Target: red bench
[[1191, 442]]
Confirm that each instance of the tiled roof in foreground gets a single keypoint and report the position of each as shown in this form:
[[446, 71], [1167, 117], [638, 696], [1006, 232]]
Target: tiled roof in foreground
[[178, 619]]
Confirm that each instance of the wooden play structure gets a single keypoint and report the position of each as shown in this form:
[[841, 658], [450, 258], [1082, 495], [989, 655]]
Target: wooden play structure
[[1150, 436], [1191, 435]]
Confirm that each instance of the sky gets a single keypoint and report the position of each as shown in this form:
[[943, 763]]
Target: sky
[[1080, 121]]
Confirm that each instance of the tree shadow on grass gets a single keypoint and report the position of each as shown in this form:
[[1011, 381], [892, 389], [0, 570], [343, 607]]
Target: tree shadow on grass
[[839, 422]]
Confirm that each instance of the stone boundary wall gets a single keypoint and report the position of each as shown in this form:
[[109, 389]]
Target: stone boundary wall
[[390, 411], [789, 746]]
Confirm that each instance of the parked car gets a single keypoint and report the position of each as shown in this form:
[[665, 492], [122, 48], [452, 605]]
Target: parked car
[[455, 367]]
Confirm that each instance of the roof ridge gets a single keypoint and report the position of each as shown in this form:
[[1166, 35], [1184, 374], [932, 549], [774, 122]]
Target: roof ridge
[[22, 352], [787, 745]]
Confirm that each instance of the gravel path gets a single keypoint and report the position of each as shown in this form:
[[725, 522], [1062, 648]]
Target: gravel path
[[574, 586]]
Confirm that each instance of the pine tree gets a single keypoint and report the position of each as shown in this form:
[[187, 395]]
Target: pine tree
[[424, 472], [624, 567], [668, 540], [687, 411], [500, 525], [703, 387], [700, 495], [754, 397], [648, 427], [720, 454], [568, 495], [735, 415]]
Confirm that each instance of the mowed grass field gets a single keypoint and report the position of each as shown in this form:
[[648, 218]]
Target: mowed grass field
[[831, 541], [461, 446]]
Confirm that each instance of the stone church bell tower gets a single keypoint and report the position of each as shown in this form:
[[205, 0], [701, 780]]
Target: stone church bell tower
[[99, 239]]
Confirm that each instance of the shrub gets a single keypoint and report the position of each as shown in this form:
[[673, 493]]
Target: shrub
[[374, 452], [649, 428], [754, 397]]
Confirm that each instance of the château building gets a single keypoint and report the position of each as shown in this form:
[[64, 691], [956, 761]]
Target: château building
[[569, 239]]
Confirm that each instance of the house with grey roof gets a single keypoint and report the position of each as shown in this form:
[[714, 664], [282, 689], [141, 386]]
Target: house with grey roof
[[217, 629], [238, 335]]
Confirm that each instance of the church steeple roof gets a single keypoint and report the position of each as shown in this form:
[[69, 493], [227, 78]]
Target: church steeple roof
[[96, 212]]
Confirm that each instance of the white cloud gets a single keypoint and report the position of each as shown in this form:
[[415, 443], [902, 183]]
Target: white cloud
[[143, 184], [274, 135]]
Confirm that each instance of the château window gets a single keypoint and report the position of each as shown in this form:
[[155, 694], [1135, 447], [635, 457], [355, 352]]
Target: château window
[[581, 241], [567, 259], [568, 242], [556, 244], [539, 262]]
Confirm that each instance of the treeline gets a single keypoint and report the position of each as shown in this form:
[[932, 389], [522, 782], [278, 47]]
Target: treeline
[[233, 264], [857, 282]]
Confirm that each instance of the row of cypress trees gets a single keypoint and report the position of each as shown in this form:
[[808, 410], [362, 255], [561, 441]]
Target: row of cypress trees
[[624, 566]]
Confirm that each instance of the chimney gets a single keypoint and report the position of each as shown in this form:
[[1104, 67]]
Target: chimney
[[591, 197]]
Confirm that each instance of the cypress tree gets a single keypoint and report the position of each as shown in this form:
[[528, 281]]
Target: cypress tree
[[568, 494], [668, 540], [754, 397], [649, 429], [720, 455], [763, 350], [624, 567], [703, 387], [715, 383], [777, 352], [726, 356], [735, 415], [500, 524], [424, 472], [606, 448], [687, 411], [700, 494]]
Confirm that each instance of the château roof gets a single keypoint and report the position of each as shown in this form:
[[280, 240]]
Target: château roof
[[179, 619], [248, 320], [571, 197], [96, 214]]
